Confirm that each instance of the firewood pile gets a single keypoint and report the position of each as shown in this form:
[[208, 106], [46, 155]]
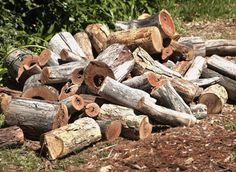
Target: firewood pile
[[100, 84]]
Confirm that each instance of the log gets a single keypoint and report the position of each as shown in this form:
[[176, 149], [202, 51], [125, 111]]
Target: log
[[11, 137], [48, 58], [83, 41], [121, 94], [62, 141], [110, 129], [222, 47], [149, 38], [33, 116], [162, 20], [223, 66], [98, 35], [168, 97], [196, 43], [68, 90], [91, 110], [88, 98], [199, 110], [166, 53], [73, 103], [226, 82], [203, 82], [214, 97], [77, 76], [32, 81], [182, 66], [64, 40], [195, 70], [68, 56], [170, 64], [133, 126], [11, 92], [28, 72]]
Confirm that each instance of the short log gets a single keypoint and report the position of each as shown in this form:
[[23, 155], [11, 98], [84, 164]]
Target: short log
[[91, 110], [73, 103], [199, 110], [48, 58]]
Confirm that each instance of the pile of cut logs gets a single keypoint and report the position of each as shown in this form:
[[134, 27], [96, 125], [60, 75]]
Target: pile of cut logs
[[100, 84]]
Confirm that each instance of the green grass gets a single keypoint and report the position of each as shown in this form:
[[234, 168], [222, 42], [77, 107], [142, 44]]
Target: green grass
[[2, 117], [230, 125]]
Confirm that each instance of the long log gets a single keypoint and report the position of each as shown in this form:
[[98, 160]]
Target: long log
[[149, 38], [162, 20], [214, 97], [35, 117], [133, 126], [226, 82], [11, 137], [73, 103], [119, 93], [62, 141], [223, 66], [48, 58], [203, 82]]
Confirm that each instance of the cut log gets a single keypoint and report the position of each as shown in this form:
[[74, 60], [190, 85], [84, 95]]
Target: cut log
[[28, 72], [73, 103], [144, 62], [88, 98], [68, 90], [60, 74], [221, 47], [68, 56], [121, 94], [77, 76], [48, 58], [64, 40], [32, 81], [98, 35], [206, 81], [62, 141], [166, 53], [182, 66], [168, 97], [149, 38], [83, 41], [11, 137], [33, 116], [214, 97], [195, 70], [14, 93], [133, 126], [91, 110], [223, 66], [196, 43], [162, 20], [199, 110], [226, 82], [110, 129]]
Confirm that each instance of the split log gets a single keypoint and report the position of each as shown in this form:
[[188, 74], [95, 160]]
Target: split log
[[195, 70], [144, 62], [33, 116], [221, 47], [226, 82], [68, 56], [68, 90], [199, 110], [206, 81], [98, 35], [168, 97], [73, 103], [196, 43], [83, 41], [162, 20], [32, 81], [110, 129], [119, 93], [62, 141], [214, 97], [91, 110], [14, 93], [11, 137], [64, 40], [149, 38], [48, 58], [133, 126], [223, 66], [182, 66]]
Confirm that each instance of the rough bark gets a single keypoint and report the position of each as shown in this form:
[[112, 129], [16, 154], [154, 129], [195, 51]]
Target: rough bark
[[182, 66], [48, 58], [199, 110], [73, 103], [203, 82], [14, 93]]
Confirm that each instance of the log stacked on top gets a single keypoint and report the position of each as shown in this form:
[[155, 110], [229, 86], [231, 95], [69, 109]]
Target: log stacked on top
[[100, 84]]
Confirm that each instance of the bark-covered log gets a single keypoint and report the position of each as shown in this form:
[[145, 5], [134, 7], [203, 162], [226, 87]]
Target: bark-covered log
[[68, 56], [35, 117], [182, 66], [226, 82], [68, 90], [214, 97], [32, 81], [11, 137], [88, 98], [133, 126], [195, 70], [73, 103], [202, 82], [48, 58], [223, 66], [62, 141], [77, 76], [162, 20], [199, 110], [14, 93], [98, 35], [91, 110], [168, 97], [149, 38]]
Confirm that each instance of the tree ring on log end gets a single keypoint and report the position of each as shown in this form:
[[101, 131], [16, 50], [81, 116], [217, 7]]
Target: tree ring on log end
[[167, 23], [92, 110], [213, 103], [113, 130], [77, 102], [157, 42], [68, 90], [77, 76], [145, 128]]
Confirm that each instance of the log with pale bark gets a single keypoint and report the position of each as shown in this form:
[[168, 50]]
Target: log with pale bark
[[195, 70], [222, 47], [226, 82], [35, 117], [48, 58], [133, 126], [214, 97], [149, 38], [75, 136], [168, 97], [11, 92], [203, 82], [182, 66], [68, 90], [223, 66], [199, 110], [98, 35], [119, 93], [73, 103], [162, 20], [11, 137], [68, 56]]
